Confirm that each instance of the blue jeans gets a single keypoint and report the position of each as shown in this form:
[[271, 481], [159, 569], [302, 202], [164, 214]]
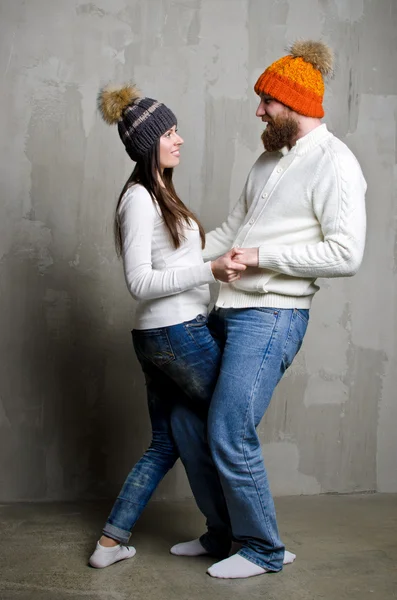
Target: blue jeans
[[258, 345], [181, 365]]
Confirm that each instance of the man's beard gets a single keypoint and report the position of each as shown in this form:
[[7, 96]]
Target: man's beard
[[280, 132]]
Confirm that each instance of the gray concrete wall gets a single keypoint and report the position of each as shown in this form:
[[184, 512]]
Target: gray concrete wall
[[72, 401]]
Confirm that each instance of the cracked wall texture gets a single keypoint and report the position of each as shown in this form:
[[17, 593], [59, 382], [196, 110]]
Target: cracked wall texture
[[72, 401]]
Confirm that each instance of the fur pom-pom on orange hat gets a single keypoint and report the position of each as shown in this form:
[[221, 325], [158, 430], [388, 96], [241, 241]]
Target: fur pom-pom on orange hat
[[297, 80]]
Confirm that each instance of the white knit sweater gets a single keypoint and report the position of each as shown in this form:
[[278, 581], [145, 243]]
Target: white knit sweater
[[169, 284], [305, 210]]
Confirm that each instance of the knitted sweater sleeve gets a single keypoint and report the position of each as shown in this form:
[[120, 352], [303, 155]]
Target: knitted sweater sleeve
[[338, 198], [137, 216], [220, 240]]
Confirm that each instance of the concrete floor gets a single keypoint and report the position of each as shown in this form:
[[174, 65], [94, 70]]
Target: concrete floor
[[346, 547]]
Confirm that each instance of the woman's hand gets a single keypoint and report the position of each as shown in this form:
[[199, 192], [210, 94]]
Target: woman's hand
[[246, 256], [226, 269]]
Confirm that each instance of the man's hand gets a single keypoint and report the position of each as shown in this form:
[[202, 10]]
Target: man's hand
[[226, 269], [246, 256]]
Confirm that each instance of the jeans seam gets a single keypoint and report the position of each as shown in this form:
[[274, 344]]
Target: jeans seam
[[252, 559], [246, 421], [124, 499], [284, 357]]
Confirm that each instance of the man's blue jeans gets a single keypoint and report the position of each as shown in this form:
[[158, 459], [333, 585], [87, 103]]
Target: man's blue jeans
[[258, 345], [181, 365]]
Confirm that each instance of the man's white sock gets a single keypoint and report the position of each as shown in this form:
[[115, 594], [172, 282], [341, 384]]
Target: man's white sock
[[238, 567], [235, 567], [104, 557], [194, 548]]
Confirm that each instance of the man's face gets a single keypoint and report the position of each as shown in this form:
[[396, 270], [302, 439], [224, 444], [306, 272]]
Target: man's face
[[282, 127], [270, 107]]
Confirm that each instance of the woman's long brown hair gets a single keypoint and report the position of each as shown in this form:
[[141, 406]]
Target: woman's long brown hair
[[174, 212]]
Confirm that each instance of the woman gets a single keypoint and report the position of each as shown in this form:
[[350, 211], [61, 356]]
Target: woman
[[160, 241]]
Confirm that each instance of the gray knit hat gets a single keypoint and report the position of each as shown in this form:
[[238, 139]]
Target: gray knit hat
[[141, 121]]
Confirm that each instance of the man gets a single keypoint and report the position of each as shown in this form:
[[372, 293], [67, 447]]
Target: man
[[301, 216]]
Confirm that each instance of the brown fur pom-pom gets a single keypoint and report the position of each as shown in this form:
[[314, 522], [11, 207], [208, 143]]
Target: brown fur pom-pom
[[112, 100], [316, 53]]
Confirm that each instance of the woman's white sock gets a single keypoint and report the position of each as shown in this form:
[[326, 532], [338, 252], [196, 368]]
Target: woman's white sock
[[289, 557], [104, 557], [192, 548]]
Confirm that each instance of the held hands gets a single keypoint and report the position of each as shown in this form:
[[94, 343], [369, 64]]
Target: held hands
[[226, 269], [246, 256]]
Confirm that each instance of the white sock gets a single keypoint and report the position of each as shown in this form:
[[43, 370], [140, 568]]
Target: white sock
[[289, 558], [235, 567], [193, 548], [103, 556], [238, 567]]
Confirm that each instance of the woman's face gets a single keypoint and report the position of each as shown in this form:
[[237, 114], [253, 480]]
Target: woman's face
[[170, 143]]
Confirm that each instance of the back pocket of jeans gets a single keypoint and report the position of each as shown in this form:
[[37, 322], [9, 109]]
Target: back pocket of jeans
[[153, 345]]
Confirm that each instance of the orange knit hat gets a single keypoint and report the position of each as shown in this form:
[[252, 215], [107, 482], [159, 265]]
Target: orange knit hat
[[296, 80]]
